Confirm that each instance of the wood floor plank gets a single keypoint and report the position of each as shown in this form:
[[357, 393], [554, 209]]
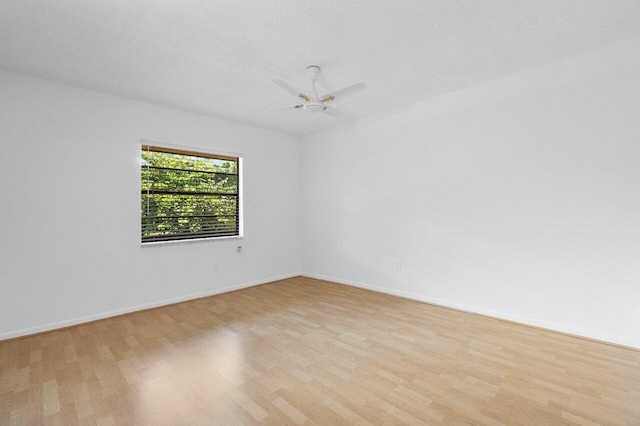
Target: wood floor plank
[[304, 351]]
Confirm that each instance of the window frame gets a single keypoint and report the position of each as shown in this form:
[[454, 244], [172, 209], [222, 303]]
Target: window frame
[[200, 153]]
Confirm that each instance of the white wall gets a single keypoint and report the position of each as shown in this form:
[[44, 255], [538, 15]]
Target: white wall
[[518, 198], [69, 207]]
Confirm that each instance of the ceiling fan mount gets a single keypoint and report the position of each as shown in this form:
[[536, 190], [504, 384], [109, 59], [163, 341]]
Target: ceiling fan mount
[[318, 103], [313, 71]]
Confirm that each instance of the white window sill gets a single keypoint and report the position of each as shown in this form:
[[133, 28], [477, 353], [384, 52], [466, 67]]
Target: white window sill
[[190, 241]]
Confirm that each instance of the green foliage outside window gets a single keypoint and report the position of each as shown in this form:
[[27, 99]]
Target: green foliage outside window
[[188, 196]]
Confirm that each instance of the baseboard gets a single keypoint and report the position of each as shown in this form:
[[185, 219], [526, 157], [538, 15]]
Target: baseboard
[[585, 334], [89, 318]]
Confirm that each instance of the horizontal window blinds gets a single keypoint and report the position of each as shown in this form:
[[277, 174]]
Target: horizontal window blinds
[[188, 195]]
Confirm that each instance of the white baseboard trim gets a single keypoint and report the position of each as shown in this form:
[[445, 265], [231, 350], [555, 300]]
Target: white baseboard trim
[[89, 318], [616, 340]]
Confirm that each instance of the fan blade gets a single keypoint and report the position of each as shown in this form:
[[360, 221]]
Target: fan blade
[[332, 111], [290, 89], [287, 108], [343, 93]]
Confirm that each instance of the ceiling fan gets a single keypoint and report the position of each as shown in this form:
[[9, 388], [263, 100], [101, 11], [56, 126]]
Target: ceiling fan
[[317, 103]]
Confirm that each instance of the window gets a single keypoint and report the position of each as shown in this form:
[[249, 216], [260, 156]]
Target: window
[[188, 195]]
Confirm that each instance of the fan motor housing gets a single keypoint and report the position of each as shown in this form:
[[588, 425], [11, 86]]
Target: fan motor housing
[[313, 106]]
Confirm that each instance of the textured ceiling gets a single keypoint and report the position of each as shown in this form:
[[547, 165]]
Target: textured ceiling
[[218, 57]]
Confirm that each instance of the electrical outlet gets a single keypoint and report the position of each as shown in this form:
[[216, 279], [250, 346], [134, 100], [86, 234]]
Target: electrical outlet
[[215, 266], [397, 265]]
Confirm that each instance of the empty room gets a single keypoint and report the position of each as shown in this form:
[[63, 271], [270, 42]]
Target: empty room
[[296, 213]]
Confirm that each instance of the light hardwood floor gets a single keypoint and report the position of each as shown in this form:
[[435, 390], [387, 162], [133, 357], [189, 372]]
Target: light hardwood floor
[[304, 351]]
